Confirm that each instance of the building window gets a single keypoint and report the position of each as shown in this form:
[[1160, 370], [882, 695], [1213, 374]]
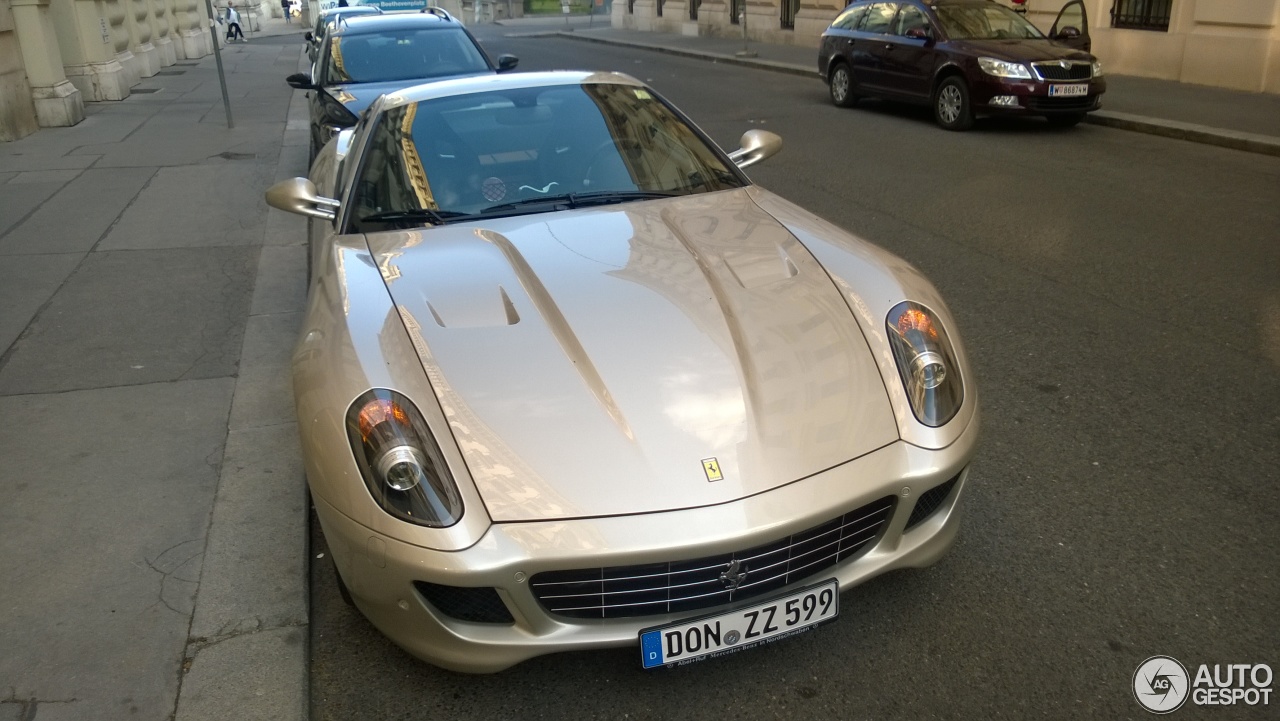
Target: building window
[[1141, 14]]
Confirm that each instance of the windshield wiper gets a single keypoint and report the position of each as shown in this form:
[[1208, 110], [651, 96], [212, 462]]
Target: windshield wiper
[[437, 217], [583, 200]]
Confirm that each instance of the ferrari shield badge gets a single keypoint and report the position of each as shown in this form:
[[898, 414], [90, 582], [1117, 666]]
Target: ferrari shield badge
[[712, 468]]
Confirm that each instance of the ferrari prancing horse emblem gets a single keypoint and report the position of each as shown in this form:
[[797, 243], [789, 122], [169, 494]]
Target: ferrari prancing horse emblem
[[712, 468]]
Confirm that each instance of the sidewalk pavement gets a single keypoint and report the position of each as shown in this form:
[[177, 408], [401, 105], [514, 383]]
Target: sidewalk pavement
[[152, 504], [1229, 118]]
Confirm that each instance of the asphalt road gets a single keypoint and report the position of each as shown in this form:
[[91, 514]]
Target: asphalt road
[[1119, 295]]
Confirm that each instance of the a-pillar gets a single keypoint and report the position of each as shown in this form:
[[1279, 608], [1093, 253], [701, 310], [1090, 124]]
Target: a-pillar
[[88, 51], [58, 103], [161, 28]]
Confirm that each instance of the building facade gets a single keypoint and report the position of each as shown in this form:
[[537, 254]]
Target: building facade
[[55, 55], [1227, 43]]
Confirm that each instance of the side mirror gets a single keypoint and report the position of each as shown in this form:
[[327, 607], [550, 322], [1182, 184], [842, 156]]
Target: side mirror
[[918, 33], [298, 196], [309, 37], [300, 81], [756, 146], [1070, 32], [507, 62]]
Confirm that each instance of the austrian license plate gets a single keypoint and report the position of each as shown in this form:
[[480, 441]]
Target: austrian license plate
[[726, 633], [1068, 91]]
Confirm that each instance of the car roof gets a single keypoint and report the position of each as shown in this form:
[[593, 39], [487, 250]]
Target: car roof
[[513, 81], [399, 21]]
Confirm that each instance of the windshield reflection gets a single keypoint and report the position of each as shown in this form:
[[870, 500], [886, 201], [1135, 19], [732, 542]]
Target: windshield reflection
[[530, 150]]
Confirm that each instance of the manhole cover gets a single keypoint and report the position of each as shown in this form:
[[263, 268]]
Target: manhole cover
[[226, 155], [171, 72], [187, 65], [144, 91]]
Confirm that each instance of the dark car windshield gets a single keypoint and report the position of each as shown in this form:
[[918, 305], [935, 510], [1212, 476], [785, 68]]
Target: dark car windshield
[[530, 150], [401, 55], [987, 21]]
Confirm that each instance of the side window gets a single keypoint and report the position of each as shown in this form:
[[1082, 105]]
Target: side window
[[850, 18], [910, 18], [879, 17]]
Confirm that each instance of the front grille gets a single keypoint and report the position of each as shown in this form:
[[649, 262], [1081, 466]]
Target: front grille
[[929, 502], [679, 586], [1073, 71], [1049, 105], [478, 605]]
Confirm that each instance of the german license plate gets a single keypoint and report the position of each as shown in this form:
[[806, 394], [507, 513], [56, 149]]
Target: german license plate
[[1068, 91], [725, 633]]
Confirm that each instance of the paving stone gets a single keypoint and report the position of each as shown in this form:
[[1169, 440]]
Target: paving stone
[[103, 529], [75, 219], [26, 283], [138, 317]]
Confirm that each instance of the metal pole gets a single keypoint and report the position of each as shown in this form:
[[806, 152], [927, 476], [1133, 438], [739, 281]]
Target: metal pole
[[217, 56], [744, 52]]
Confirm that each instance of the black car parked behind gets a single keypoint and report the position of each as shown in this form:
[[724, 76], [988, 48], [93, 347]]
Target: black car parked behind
[[963, 57]]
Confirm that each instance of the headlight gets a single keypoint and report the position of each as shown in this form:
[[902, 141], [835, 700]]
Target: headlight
[[926, 363], [1004, 69], [1097, 69], [400, 460]]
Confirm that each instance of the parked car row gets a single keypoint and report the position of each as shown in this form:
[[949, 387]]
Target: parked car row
[[567, 379], [359, 53], [964, 58]]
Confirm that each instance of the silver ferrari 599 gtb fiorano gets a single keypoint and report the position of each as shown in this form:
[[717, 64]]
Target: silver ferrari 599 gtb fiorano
[[568, 380]]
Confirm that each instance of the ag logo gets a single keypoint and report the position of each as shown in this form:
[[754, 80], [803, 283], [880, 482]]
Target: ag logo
[[1160, 684]]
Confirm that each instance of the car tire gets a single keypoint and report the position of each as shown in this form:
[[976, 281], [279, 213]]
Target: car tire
[[1066, 120], [840, 83], [951, 108]]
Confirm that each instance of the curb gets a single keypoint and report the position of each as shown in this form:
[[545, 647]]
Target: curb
[[773, 65], [1204, 134], [1236, 140]]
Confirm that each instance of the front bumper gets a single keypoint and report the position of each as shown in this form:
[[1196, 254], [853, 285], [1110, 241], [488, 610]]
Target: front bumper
[[1031, 97], [380, 571]]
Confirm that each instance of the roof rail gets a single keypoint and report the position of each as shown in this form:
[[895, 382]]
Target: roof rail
[[438, 12]]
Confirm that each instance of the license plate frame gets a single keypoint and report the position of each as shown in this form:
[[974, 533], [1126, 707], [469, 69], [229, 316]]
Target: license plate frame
[[1071, 90], [655, 643]]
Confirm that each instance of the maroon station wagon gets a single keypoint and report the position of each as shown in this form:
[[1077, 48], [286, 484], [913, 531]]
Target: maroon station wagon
[[964, 58]]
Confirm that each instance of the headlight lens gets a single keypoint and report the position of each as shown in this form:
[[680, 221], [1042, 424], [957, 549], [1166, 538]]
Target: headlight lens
[[1097, 69], [1004, 69], [926, 363], [400, 460]]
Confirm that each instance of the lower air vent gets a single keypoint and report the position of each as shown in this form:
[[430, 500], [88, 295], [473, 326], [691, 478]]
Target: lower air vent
[[930, 501], [478, 605]]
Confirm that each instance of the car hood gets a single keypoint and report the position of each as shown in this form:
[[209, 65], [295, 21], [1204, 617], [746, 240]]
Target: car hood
[[358, 96], [1022, 51], [644, 357]]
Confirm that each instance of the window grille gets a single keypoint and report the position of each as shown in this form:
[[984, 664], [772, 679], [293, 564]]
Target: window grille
[[1141, 14]]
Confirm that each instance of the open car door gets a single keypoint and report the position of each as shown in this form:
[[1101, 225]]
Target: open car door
[[1071, 28]]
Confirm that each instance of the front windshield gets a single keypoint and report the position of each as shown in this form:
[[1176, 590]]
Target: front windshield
[[527, 150], [987, 21], [401, 55]]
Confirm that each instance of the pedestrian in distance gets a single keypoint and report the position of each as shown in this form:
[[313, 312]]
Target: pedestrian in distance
[[233, 24], [287, 8]]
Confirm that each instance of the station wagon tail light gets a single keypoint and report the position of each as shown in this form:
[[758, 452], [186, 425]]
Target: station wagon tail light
[[1004, 68], [400, 461], [926, 363]]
